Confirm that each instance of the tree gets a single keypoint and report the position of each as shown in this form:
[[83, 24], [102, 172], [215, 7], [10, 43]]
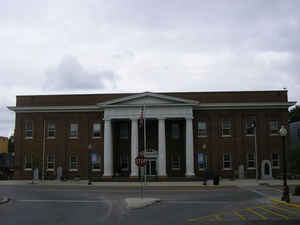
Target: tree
[[294, 159], [294, 114]]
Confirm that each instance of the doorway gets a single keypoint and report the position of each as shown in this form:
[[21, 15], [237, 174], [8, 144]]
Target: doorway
[[151, 167]]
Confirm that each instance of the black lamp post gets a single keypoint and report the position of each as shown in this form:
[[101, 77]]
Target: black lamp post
[[285, 194], [89, 164]]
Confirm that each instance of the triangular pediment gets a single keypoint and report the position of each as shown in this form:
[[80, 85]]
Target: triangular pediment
[[147, 98]]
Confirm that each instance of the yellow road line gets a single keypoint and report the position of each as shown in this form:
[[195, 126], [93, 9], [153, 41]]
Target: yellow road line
[[200, 218], [239, 215], [274, 213], [287, 204], [256, 213], [286, 210]]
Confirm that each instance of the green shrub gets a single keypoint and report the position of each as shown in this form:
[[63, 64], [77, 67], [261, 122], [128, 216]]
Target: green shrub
[[297, 190]]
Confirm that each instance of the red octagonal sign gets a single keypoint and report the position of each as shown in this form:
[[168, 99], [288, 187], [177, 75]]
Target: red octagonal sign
[[140, 161]]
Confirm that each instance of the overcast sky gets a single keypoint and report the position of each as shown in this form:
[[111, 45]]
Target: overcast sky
[[93, 46]]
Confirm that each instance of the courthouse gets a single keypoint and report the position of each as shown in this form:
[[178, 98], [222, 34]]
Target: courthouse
[[100, 135]]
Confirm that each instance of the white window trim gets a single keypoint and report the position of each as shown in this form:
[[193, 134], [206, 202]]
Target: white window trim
[[73, 170], [226, 135], [199, 135], [75, 137], [96, 137], [27, 169], [52, 170], [96, 170], [28, 138], [51, 138]]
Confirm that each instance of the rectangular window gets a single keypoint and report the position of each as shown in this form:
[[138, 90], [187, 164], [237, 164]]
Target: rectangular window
[[74, 161], [251, 160], [175, 162], [51, 130], [202, 161], [227, 161], [95, 161], [175, 132], [124, 132], [275, 160], [73, 130], [274, 130], [28, 130], [96, 130], [51, 162], [28, 161], [226, 128], [124, 162], [202, 130], [250, 126]]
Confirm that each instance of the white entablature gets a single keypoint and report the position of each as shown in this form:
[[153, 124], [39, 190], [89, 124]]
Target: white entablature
[[156, 106]]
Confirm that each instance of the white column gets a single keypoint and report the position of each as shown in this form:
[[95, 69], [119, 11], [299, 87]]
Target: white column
[[161, 148], [108, 151], [134, 147], [189, 147]]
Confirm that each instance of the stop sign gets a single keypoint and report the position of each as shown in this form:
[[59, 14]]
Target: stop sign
[[140, 161]]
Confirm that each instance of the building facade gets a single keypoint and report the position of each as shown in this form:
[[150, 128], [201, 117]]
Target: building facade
[[181, 134]]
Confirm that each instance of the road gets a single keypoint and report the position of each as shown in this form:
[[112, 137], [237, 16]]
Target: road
[[76, 205]]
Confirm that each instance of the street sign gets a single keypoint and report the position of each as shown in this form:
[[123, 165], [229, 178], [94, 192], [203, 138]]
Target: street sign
[[140, 161]]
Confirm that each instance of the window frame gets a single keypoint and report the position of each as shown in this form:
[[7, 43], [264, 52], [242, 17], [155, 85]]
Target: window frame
[[98, 162], [94, 130], [49, 130], [26, 130], [249, 122], [48, 161], [229, 129], [25, 161], [205, 161], [251, 160], [274, 132], [71, 136], [202, 129], [226, 161], [275, 160], [71, 168]]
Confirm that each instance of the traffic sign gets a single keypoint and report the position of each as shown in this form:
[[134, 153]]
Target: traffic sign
[[140, 161]]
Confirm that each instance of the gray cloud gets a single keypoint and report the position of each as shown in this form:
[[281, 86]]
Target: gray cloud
[[70, 75]]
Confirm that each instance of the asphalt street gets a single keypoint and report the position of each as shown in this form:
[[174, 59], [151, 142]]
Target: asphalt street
[[76, 205]]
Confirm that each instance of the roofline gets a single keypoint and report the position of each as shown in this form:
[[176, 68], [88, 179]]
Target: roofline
[[154, 92], [204, 106]]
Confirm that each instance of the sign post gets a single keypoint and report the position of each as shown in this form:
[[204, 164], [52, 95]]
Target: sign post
[[140, 162]]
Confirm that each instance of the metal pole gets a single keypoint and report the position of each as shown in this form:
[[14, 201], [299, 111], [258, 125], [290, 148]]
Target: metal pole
[[256, 155], [145, 144], [44, 146], [284, 162]]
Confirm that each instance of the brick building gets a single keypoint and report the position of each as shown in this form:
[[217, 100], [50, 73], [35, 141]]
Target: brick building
[[186, 132]]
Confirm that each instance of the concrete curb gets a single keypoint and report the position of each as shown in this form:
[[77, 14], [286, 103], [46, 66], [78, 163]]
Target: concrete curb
[[286, 204], [4, 200], [136, 203]]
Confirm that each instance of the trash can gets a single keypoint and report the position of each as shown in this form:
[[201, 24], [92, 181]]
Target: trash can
[[216, 180]]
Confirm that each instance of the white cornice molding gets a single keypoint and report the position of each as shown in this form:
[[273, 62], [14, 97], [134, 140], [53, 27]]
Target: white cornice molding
[[245, 105], [80, 108]]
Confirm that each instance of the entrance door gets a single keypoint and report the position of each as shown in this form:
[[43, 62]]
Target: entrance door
[[151, 167]]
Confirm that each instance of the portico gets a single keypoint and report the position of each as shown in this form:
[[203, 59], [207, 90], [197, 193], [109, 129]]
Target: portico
[[156, 107]]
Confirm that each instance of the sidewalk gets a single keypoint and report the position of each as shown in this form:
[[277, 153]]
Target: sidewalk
[[223, 183]]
